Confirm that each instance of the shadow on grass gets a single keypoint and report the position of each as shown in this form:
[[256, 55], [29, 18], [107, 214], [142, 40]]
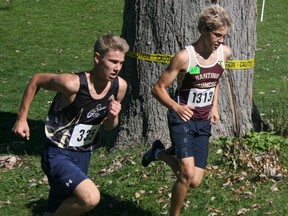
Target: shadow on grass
[[108, 206], [12, 144]]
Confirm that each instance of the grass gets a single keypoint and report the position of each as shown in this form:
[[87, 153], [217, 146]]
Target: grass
[[129, 189], [271, 79], [52, 36]]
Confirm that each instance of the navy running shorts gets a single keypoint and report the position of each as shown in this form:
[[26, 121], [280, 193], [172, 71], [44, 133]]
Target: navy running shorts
[[190, 139], [65, 171]]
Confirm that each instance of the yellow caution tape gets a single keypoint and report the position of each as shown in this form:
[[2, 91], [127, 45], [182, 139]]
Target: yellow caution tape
[[165, 58], [162, 58], [239, 64]]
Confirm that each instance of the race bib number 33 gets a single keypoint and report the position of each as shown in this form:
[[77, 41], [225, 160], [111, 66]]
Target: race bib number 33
[[200, 97], [83, 135]]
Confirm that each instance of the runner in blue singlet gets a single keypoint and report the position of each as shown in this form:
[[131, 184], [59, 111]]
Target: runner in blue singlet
[[84, 103]]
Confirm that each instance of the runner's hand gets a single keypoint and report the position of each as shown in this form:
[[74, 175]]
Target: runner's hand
[[114, 108], [214, 116], [185, 112], [21, 128]]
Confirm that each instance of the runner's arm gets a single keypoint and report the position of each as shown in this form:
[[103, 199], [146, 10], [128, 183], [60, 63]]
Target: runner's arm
[[114, 108], [178, 63], [53, 82]]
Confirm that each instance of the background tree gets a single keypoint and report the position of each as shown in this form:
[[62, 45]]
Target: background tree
[[165, 27]]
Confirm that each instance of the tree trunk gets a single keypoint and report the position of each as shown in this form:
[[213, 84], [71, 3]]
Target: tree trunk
[[235, 99], [165, 27]]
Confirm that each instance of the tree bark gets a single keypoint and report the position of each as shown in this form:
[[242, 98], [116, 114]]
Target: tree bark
[[165, 27], [235, 99]]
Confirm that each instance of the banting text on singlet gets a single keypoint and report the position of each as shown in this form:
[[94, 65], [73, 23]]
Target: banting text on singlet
[[196, 86]]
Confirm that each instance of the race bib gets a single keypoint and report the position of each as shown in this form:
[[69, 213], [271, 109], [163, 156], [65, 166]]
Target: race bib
[[200, 97], [83, 135]]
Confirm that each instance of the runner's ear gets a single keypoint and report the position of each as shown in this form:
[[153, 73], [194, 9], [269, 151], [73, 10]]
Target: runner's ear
[[97, 57]]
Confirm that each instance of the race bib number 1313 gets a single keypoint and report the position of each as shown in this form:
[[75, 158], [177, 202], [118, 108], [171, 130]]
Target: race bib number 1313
[[200, 97]]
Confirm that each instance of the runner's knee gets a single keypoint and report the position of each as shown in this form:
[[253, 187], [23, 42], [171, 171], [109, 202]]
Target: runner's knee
[[186, 178], [190, 178], [195, 183], [91, 199]]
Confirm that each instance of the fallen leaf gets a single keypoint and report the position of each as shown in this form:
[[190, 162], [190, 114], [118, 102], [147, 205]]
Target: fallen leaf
[[274, 188], [243, 211], [137, 195]]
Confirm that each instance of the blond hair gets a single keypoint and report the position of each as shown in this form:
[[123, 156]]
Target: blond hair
[[110, 42], [213, 17]]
